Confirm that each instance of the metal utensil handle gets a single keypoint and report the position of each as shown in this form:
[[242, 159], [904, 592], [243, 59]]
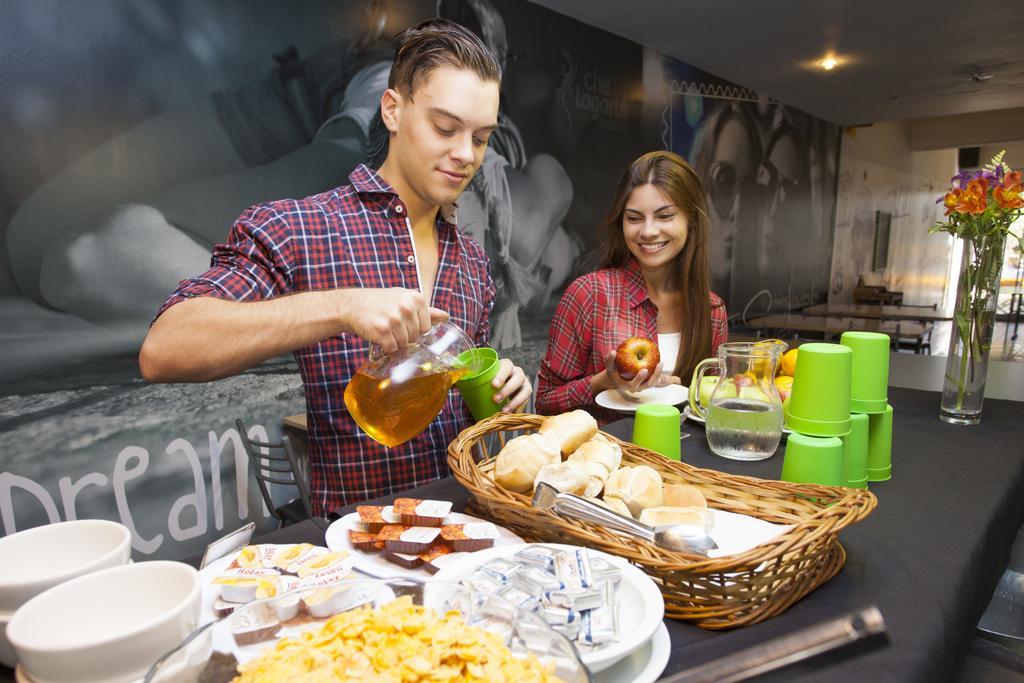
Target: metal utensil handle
[[229, 542], [155, 667], [581, 508], [587, 515], [778, 652], [603, 515]]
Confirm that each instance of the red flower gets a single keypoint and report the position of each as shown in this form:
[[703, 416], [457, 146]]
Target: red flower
[[1008, 194]]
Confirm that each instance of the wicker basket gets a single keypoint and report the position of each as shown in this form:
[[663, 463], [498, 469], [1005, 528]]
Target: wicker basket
[[727, 592]]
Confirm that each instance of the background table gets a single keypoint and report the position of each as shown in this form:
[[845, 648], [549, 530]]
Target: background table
[[922, 313], [906, 331], [929, 556]]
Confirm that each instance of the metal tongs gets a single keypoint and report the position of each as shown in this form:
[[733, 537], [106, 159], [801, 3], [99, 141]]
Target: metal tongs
[[684, 538], [784, 650]]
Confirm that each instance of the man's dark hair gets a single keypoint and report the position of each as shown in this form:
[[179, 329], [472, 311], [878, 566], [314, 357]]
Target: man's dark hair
[[434, 43]]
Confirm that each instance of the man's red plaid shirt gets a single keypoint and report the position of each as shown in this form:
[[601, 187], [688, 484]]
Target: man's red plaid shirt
[[597, 312], [353, 236]]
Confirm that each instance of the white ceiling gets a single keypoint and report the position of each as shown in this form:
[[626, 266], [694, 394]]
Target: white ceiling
[[905, 59]]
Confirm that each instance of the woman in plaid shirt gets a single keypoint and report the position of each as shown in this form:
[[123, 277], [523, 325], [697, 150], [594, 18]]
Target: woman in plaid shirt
[[653, 283]]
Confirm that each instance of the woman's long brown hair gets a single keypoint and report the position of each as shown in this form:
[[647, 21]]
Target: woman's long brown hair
[[672, 175]]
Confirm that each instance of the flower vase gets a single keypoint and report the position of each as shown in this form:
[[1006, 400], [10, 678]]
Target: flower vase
[[970, 341]]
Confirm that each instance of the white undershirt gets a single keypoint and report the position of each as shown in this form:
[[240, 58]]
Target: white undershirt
[[668, 346]]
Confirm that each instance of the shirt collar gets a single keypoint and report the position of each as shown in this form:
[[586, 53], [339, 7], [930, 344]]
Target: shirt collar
[[636, 286], [366, 180]]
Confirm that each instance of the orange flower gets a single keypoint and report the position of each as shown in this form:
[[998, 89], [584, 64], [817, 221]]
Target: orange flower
[[974, 198], [951, 199], [1008, 194]]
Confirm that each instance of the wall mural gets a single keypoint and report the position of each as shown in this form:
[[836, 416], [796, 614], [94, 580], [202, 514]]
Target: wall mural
[[138, 131], [770, 174], [117, 180]]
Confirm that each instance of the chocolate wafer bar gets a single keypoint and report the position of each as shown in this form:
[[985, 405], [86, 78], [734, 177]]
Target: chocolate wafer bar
[[411, 540], [254, 624], [416, 512], [376, 517], [467, 538], [391, 532], [403, 560], [363, 540], [439, 550]]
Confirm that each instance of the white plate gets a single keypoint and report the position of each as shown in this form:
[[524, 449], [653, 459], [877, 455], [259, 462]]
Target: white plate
[[694, 417], [734, 533], [645, 665], [641, 607], [222, 640], [211, 592], [373, 564], [670, 395]]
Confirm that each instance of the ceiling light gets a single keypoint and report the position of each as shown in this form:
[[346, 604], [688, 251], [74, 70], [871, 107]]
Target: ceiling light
[[829, 60]]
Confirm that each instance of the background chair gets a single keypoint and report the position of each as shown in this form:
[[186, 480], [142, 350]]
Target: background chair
[[913, 337], [277, 463]]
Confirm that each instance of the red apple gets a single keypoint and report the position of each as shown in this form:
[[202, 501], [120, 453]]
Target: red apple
[[636, 354], [743, 380]]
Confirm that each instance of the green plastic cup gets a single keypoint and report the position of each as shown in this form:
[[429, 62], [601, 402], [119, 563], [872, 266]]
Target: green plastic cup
[[657, 427], [819, 404], [476, 387], [880, 445], [869, 381], [855, 446], [814, 460]]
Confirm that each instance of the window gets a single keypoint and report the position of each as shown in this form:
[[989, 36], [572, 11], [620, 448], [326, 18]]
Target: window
[[880, 259]]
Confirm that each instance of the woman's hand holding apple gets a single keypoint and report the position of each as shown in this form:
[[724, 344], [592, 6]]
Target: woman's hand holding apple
[[633, 367]]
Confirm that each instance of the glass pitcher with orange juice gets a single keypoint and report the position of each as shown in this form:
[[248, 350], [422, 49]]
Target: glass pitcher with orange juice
[[394, 397]]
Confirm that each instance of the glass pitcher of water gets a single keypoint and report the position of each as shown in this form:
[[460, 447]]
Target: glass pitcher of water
[[394, 397], [742, 408]]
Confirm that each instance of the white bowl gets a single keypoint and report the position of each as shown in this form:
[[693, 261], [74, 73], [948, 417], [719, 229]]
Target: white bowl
[[6, 651], [186, 666], [36, 559], [108, 626]]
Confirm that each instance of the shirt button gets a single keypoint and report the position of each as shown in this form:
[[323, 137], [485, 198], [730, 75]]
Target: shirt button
[[411, 259], [398, 209]]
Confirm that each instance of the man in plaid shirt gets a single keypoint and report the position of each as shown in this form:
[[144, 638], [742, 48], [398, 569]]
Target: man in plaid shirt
[[377, 261]]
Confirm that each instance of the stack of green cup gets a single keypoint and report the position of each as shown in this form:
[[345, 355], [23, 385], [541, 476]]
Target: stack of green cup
[[818, 412], [819, 404], [880, 445], [814, 460], [855, 452], [869, 398]]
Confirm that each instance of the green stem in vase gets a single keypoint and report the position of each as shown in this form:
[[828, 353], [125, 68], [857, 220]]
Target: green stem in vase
[[964, 323], [980, 278]]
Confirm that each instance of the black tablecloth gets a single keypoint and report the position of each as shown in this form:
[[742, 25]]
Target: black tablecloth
[[929, 556]]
